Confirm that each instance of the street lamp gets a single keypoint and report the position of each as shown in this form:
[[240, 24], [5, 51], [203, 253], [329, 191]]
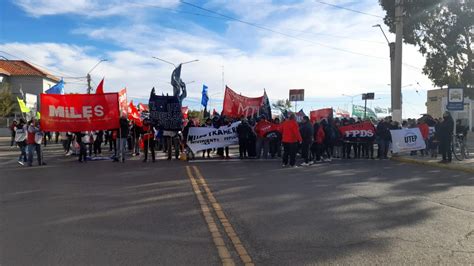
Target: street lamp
[[89, 75]]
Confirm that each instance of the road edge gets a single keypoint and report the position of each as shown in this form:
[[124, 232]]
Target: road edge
[[433, 164]]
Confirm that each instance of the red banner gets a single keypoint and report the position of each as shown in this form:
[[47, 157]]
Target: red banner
[[262, 129], [123, 102], [236, 105], [143, 107], [358, 132], [134, 115], [320, 114], [79, 112]]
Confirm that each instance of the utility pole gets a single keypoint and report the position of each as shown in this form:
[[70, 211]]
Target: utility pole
[[89, 88], [397, 88]]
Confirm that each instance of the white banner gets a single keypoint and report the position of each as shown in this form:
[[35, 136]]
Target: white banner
[[203, 138], [407, 139]]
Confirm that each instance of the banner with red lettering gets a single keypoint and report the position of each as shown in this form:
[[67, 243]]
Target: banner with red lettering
[[358, 132], [123, 102], [318, 115], [79, 112], [236, 105], [264, 128]]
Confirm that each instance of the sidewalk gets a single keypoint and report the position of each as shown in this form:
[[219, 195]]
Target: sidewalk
[[467, 165]]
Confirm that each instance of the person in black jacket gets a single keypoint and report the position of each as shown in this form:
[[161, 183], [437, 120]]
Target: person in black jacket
[[383, 138], [306, 131], [445, 136], [243, 131], [122, 139]]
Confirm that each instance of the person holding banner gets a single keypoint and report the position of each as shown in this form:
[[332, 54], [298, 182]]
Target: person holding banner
[[290, 138], [243, 131], [263, 142], [383, 138]]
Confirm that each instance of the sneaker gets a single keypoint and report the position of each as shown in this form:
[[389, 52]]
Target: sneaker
[[311, 162], [295, 166], [328, 160], [21, 163], [304, 164], [283, 165]]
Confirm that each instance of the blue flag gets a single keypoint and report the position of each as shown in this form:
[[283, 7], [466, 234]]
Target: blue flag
[[204, 98], [57, 89]]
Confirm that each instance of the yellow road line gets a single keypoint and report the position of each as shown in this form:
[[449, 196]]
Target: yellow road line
[[222, 250], [228, 228]]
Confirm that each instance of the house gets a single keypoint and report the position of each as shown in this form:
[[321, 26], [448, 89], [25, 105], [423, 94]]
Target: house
[[23, 75], [436, 106]]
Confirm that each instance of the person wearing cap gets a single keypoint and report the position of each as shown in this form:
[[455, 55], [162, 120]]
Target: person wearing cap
[[445, 136]]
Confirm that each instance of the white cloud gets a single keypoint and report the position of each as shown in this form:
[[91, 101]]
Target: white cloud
[[89, 8], [253, 59]]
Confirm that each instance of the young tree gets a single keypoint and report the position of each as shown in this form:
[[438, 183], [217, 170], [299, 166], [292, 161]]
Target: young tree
[[282, 105], [7, 103], [444, 32]]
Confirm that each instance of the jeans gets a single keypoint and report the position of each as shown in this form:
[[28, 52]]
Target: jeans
[[243, 148], [305, 151], [121, 148], [263, 143], [82, 152], [149, 144], [22, 157], [32, 148], [289, 150], [383, 148]]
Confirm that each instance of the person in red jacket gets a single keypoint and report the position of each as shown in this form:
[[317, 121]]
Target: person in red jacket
[[425, 133], [290, 139]]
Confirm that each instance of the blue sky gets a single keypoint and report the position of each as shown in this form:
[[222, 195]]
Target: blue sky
[[303, 48]]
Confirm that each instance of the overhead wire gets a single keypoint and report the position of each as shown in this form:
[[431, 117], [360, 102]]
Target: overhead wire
[[288, 35], [348, 9]]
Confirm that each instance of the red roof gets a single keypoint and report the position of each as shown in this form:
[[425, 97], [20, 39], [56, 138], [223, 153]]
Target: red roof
[[23, 68]]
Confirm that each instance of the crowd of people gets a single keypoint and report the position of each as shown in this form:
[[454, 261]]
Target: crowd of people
[[258, 138]]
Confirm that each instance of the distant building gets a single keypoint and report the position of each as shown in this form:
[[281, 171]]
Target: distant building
[[23, 75], [436, 105]]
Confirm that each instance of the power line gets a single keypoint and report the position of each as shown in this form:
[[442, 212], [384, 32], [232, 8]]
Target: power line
[[288, 35], [280, 33], [349, 9]]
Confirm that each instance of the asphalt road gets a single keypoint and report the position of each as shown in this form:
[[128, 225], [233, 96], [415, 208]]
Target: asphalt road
[[343, 212]]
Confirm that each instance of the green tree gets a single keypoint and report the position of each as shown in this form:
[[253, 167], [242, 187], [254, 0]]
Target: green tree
[[8, 105], [282, 105], [443, 32]]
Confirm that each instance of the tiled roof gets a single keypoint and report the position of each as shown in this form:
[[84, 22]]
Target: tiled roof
[[23, 68]]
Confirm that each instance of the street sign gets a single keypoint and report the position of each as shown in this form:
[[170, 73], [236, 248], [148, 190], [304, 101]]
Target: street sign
[[297, 95], [368, 96], [455, 99]]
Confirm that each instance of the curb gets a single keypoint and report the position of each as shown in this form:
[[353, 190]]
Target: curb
[[433, 164]]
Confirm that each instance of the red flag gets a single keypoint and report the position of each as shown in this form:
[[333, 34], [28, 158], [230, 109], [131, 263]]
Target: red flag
[[236, 105], [359, 132], [100, 87], [317, 115], [123, 102], [133, 114], [184, 111], [79, 112], [143, 107]]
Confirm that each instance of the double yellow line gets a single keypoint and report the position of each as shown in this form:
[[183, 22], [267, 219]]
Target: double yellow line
[[202, 191]]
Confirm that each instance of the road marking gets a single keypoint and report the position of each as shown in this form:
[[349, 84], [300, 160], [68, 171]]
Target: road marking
[[228, 228], [222, 250]]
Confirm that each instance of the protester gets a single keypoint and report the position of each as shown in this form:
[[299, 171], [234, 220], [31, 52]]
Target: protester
[[189, 152], [243, 131], [275, 140], [13, 127], [318, 145], [445, 136], [330, 137], [306, 131], [148, 136], [208, 123], [252, 140], [122, 140], [98, 139], [34, 137], [20, 139], [263, 143], [80, 137], [383, 138], [290, 138]]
